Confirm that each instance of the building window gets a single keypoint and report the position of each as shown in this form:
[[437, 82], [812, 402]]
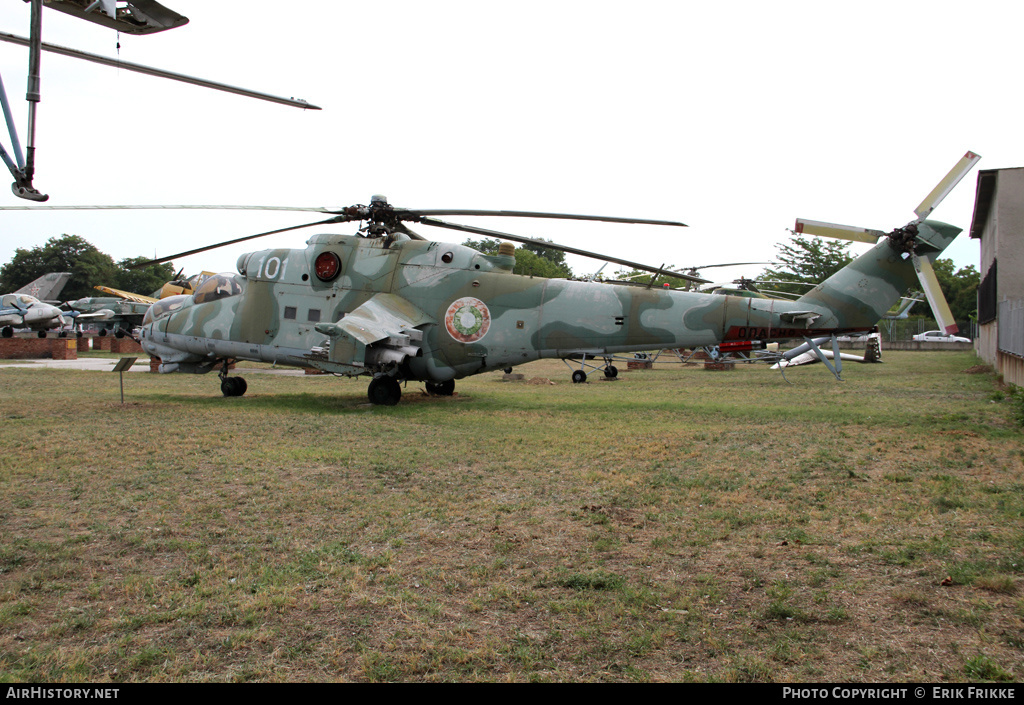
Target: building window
[[987, 296]]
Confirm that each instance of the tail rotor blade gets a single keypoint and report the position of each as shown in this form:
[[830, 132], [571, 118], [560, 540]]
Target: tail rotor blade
[[932, 290], [943, 188], [841, 232]]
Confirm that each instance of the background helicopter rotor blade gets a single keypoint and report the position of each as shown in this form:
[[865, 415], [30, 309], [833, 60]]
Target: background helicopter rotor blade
[[532, 214], [553, 246], [140, 265]]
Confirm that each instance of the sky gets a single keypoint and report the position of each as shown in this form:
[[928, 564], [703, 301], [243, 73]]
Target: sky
[[735, 118]]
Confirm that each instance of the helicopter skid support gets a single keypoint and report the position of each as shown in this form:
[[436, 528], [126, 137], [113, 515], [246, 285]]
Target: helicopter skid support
[[579, 374]]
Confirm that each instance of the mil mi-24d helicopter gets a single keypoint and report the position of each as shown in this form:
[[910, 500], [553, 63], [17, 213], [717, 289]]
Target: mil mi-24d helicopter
[[390, 305]]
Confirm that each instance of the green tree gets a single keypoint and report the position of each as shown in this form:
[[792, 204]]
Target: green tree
[[68, 253], [808, 261], [638, 277], [142, 281], [531, 260], [88, 266]]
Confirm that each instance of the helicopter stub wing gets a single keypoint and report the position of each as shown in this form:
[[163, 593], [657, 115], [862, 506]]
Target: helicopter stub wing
[[381, 330], [382, 316]]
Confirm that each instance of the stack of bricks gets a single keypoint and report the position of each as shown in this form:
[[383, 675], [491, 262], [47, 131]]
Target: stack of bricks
[[38, 348], [125, 345]]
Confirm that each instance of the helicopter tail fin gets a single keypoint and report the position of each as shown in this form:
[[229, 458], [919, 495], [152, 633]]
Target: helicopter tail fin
[[863, 291]]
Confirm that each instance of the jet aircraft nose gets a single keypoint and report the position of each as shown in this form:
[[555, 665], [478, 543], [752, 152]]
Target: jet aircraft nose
[[42, 312]]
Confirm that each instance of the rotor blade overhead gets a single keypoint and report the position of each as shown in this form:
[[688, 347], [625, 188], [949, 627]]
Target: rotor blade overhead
[[532, 214], [309, 209], [562, 248], [160, 73], [933, 292], [841, 232], [943, 188], [196, 251], [725, 264]]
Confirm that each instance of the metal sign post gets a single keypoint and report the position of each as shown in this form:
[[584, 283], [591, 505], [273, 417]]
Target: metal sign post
[[125, 363]]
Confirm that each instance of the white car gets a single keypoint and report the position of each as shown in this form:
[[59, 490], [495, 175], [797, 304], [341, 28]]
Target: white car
[[937, 336]]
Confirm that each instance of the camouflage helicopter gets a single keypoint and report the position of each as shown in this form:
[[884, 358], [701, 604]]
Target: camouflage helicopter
[[388, 304]]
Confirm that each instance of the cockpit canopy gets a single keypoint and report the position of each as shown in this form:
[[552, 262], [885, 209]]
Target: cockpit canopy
[[165, 307], [17, 300], [219, 286]]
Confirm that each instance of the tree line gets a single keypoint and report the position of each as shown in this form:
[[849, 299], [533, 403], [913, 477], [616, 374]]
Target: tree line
[[88, 266]]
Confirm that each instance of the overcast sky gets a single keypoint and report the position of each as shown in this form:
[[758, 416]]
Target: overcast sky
[[734, 118]]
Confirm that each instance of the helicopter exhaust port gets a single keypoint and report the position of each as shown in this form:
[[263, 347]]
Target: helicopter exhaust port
[[386, 355]]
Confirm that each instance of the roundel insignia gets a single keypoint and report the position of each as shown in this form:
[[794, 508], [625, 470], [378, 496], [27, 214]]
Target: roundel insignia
[[467, 319]]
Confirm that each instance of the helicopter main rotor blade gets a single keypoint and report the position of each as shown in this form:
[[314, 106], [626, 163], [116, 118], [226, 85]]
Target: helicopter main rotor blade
[[140, 265], [562, 248], [943, 188], [309, 209], [531, 214], [160, 73], [726, 264]]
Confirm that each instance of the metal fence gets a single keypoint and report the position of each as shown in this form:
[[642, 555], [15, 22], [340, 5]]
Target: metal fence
[[1011, 327]]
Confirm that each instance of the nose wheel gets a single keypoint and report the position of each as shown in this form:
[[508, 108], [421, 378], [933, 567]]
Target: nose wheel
[[231, 386]]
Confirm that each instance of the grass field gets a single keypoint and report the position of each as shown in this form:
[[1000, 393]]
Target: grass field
[[673, 525]]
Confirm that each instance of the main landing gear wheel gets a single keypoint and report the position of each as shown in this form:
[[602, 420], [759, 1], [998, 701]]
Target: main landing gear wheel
[[441, 389], [41, 334], [384, 391], [233, 386], [611, 371], [7, 332], [579, 377]]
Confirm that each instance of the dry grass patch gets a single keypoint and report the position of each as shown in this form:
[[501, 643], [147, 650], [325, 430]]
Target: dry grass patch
[[675, 525]]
